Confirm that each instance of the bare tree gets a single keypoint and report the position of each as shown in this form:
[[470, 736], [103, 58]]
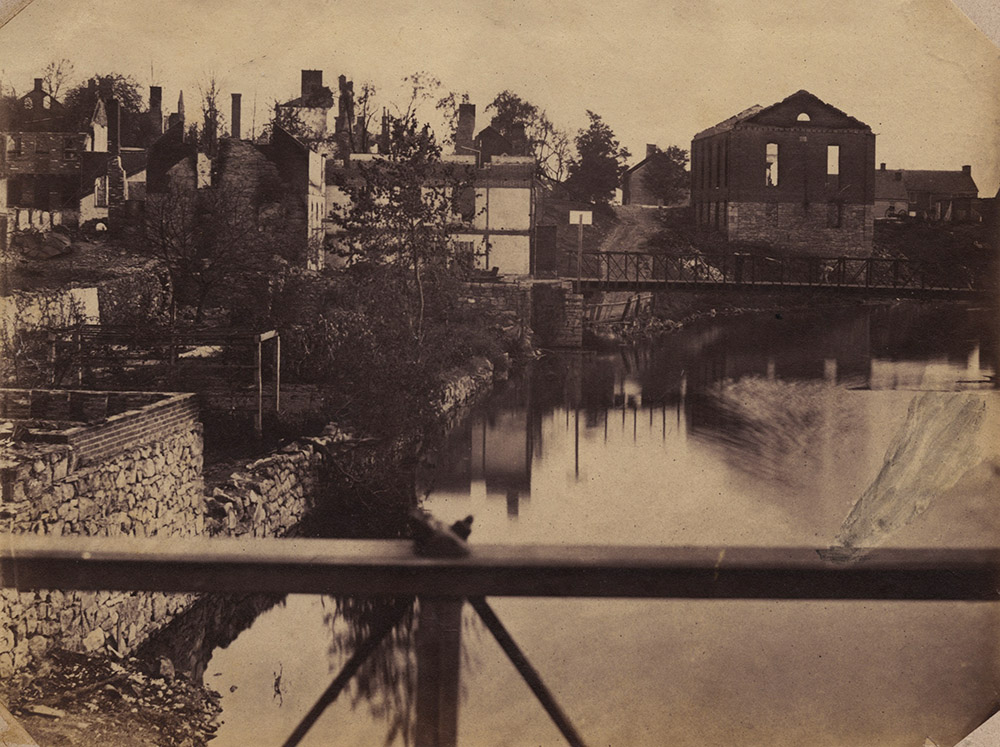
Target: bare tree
[[211, 243], [56, 75]]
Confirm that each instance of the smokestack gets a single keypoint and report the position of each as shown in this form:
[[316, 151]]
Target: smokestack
[[465, 130], [156, 109], [235, 118], [881, 167], [312, 80], [114, 127], [651, 150]]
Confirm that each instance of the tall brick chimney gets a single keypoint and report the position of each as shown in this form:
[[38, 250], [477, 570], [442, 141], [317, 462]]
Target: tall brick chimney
[[156, 109], [466, 128], [114, 127], [235, 118], [312, 80], [651, 150]]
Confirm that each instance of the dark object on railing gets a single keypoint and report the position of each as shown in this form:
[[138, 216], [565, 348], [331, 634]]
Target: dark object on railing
[[432, 539]]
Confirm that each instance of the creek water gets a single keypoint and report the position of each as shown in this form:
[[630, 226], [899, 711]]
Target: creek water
[[868, 426]]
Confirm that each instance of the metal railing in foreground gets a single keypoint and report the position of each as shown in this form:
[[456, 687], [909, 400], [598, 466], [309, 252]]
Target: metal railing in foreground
[[390, 568]]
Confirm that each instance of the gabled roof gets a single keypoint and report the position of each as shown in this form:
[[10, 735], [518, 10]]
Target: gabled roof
[[798, 101], [889, 185], [940, 182], [803, 98], [728, 124]]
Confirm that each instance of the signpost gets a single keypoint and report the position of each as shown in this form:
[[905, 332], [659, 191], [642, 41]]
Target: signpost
[[581, 218]]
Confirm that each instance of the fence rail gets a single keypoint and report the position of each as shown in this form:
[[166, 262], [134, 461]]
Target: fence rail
[[643, 270], [389, 567]]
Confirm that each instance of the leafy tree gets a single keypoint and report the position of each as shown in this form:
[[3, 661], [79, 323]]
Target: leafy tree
[[596, 171], [665, 174], [82, 99], [397, 222], [548, 144]]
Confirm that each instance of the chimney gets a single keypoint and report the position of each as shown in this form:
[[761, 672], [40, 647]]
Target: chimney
[[235, 118], [38, 84], [114, 127], [312, 80], [465, 130], [651, 150], [967, 169], [156, 109], [518, 140], [881, 167]]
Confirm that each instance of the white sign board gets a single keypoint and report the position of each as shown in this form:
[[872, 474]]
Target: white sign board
[[576, 217]]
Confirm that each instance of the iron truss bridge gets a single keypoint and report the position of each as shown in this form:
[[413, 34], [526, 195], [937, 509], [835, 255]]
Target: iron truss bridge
[[865, 276]]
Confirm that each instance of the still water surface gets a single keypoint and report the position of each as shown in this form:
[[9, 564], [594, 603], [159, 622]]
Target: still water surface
[[868, 426]]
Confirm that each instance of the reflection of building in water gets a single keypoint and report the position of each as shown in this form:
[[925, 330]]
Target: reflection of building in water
[[501, 455]]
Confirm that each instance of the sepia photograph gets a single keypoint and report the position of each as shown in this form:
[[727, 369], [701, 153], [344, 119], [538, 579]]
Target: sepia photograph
[[500, 374]]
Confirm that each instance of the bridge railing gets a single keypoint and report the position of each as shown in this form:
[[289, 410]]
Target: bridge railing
[[390, 568], [641, 268]]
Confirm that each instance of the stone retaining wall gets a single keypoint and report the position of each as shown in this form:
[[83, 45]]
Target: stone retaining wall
[[157, 489]]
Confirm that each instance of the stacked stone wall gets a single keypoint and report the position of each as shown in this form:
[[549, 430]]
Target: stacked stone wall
[[156, 489], [804, 228], [150, 488], [557, 315]]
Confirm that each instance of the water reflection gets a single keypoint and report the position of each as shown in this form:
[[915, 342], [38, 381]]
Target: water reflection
[[767, 431]]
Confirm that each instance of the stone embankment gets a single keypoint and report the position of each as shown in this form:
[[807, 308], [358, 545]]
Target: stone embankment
[[138, 472]]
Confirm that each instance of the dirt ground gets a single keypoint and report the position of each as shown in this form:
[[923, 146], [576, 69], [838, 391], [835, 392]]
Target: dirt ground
[[79, 699]]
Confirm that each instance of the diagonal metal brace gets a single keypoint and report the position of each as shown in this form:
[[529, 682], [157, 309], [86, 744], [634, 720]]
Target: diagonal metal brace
[[361, 653], [523, 666]]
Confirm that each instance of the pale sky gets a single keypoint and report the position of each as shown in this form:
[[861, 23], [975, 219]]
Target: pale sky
[[917, 71]]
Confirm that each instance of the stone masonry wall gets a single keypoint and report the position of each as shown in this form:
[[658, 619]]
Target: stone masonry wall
[[557, 315], [155, 488], [152, 487], [804, 228]]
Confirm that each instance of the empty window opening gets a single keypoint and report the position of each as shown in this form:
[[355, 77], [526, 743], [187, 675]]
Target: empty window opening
[[803, 117], [771, 170], [833, 160]]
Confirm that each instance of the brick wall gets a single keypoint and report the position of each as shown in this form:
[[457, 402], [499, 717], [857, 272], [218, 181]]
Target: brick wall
[[126, 419], [804, 229]]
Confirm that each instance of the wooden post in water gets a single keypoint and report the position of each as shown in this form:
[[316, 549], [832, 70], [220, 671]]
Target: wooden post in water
[[439, 648]]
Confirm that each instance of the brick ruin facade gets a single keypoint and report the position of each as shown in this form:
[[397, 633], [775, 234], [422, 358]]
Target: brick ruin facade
[[798, 175]]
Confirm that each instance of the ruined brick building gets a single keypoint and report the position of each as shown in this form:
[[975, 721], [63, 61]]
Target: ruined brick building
[[39, 162], [323, 120], [280, 180], [53, 171], [798, 174]]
